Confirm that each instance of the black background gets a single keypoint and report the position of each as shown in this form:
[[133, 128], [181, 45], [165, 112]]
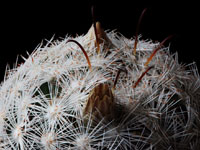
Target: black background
[[25, 24]]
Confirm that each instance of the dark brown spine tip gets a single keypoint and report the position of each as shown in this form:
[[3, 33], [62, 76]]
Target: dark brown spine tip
[[156, 50], [117, 77], [84, 52], [140, 78], [137, 31], [95, 30]]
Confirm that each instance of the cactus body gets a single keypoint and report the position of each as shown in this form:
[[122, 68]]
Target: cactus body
[[56, 100]]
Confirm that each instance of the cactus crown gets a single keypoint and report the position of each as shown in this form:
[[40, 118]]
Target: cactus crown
[[100, 91]]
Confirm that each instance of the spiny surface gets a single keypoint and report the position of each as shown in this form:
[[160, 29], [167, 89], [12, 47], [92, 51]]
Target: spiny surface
[[55, 101]]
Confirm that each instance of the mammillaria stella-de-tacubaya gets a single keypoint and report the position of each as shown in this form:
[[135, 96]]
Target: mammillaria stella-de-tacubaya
[[100, 91]]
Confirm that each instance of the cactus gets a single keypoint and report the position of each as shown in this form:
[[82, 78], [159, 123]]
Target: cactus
[[100, 91]]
